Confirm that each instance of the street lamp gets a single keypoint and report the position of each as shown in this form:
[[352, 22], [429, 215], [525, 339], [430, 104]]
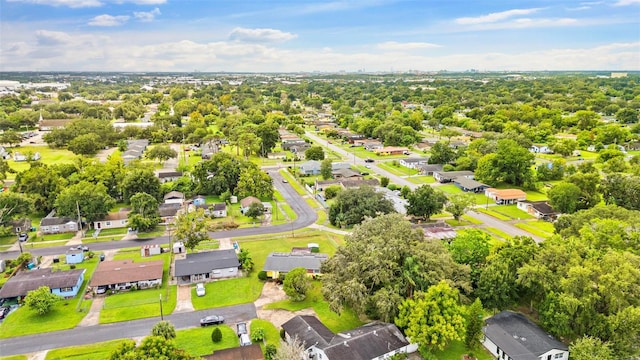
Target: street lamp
[[161, 315]]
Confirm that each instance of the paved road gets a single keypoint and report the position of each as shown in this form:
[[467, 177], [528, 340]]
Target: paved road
[[305, 217], [129, 329], [486, 219]]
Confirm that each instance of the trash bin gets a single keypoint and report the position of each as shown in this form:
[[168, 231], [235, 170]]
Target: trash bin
[[101, 257]]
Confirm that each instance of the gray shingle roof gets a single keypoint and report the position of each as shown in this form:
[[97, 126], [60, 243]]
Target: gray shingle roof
[[205, 262], [49, 221], [518, 337], [28, 280], [468, 183], [285, 262], [366, 342]]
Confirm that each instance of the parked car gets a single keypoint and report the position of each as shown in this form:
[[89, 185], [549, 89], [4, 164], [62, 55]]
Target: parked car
[[4, 311], [22, 237], [211, 320], [200, 291], [285, 181], [101, 289], [80, 247], [242, 328], [368, 160], [245, 340]]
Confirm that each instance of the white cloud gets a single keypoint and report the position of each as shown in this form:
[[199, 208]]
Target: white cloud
[[69, 3], [494, 17], [108, 20], [260, 35], [399, 46], [627, 2], [88, 3], [47, 37], [146, 16]]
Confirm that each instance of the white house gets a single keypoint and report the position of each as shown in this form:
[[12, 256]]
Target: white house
[[113, 220], [509, 335], [413, 163], [376, 340], [174, 197], [540, 149]]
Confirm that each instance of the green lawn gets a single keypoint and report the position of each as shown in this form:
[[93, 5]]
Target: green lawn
[[109, 232], [14, 357], [292, 181], [228, 292], [456, 349], [346, 321], [63, 236], [197, 341], [322, 217], [48, 156], [271, 333], [100, 350], [471, 219], [397, 170], [449, 189], [511, 211], [138, 304], [498, 232], [538, 228], [493, 213], [311, 202], [421, 179], [461, 222]]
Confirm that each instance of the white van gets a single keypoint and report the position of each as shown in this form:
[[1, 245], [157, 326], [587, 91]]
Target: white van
[[245, 340]]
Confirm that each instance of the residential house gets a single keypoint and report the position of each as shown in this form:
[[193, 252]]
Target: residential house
[[399, 203], [413, 163], [391, 150], [276, 155], [439, 230], [249, 352], [49, 125], [510, 335], [278, 264], [219, 210], [113, 220], [246, 203], [167, 176], [351, 138], [168, 212], [20, 225], [346, 174], [62, 283], [469, 185], [429, 169], [540, 149], [449, 176], [209, 265], [373, 145], [174, 197], [340, 165], [125, 274], [4, 154], [74, 256], [506, 196], [298, 143], [375, 340], [540, 209], [199, 200], [311, 167], [57, 225]]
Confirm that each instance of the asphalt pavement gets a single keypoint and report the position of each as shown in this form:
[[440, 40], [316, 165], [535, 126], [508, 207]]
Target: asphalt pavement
[[128, 329]]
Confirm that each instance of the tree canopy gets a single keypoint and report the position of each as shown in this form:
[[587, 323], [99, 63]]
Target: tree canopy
[[352, 206]]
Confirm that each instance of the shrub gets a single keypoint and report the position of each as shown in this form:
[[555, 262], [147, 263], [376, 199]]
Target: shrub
[[262, 275], [270, 351], [384, 181], [392, 187], [216, 335], [72, 266], [282, 336], [257, 335]]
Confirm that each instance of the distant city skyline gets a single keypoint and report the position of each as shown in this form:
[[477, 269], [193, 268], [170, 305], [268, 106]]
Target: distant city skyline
[[327, 36]]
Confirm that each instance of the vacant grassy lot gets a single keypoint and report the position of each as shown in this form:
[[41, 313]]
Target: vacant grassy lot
[[396, 170], [335, 322], [421, 179], [100, 350], [511, 211], [138, 304], [48, 156], [496, 215], [197, 341], [498, 232], [539, 228], [456, 349]]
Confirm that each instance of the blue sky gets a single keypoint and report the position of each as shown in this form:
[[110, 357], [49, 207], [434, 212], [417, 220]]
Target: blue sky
[[310, 35]]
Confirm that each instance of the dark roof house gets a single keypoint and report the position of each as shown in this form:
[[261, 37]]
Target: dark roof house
[[207, 265], [376, 340], [25, 281], [277, 263], [250, 352], [512, 335]]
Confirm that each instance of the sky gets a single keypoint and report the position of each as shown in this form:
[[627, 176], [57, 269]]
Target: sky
[[312, 35]]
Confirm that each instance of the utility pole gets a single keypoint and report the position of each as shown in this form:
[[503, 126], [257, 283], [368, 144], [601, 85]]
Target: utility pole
[[161, 315], [79, 218]]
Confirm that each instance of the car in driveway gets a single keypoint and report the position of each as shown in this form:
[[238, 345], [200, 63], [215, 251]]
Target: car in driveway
[[4, 311], [211, 320], [200, 291], [241, 328]]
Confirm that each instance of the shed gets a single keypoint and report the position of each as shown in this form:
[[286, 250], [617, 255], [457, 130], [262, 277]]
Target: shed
[[178, 247], [74, 256], [150, 250], [199, 200]]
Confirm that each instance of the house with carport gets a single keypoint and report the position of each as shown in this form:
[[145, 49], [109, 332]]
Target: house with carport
[[62, 283], [506, 196], [207, 265], [540, 209], [511, 336]]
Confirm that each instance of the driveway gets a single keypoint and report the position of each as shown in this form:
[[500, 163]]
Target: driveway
[[184, 299]]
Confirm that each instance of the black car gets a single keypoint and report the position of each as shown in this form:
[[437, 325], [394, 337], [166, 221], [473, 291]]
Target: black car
[[369, 160], [211, 320]]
